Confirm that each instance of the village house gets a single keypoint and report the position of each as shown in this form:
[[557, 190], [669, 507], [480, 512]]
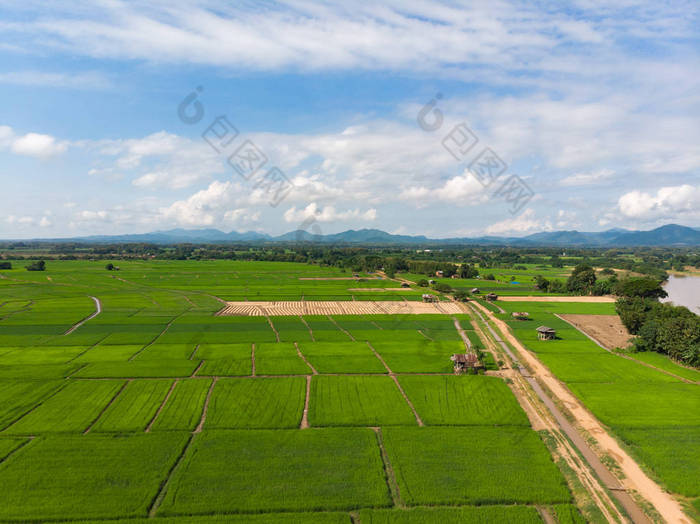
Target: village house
[[521, 315], [465, 361], [491, 297], [546, 333]]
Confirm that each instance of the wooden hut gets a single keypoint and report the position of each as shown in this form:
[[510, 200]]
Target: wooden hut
[[475, 290], [491, 297], [427, 297], [521, 315], [439, 273], [405, 284], [546, 333], [465, 361]]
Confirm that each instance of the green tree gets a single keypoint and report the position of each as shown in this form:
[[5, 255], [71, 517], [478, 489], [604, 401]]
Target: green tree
[[582, 280], [641, 287], [39, 265]]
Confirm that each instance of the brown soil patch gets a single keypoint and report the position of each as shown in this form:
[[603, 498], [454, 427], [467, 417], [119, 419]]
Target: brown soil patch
[[606, 330], [360, 307]]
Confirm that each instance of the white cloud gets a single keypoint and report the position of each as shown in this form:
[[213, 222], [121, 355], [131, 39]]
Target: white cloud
[[328, 214], [463, 190], [588, 179], [204, 208], [668, 202], [73, 80], [524, 223], [45, 222], [37, 145]]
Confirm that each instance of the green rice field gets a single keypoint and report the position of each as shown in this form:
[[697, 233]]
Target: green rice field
[[158, 410]]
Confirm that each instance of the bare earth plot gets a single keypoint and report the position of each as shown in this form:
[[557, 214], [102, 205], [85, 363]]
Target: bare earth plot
[[257, 309], [607, 330]]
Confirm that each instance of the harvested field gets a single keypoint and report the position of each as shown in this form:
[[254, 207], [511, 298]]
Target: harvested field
[[608, 330], [339, 307], [556, 299]]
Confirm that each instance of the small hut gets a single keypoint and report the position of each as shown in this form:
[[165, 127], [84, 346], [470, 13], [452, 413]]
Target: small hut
[[455, 276], [405, 284], [475, 290], [431, 282], [465, 361], [439, 273], [491, 297], [546, 333], [427, 297], [521, 315]]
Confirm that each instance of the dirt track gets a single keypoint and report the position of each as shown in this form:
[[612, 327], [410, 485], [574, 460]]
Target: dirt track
[[556, 299], [634, 479]]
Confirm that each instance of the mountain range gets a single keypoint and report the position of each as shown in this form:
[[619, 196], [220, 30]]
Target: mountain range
[[668, 235]]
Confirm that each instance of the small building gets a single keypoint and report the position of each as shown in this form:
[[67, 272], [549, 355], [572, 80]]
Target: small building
[[546, 333], [455, 276], [427, 297], [465, 361], [475, 290], [439, 274], [491, 297], [431, 282], [521, 315], [405, 284]]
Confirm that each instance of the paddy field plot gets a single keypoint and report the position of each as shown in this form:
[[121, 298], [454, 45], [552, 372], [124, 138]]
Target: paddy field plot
[[421, 356], [73, 409], [456, 515], [257, 403], [135, 406], [279, 359], [320, 469], [18, 397], [463, 400], [91, 476], [183, 409], [138, 369], [357, 401], [475, 465], [342, 357]]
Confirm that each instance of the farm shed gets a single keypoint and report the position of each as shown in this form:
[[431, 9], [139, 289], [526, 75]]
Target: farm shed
[[546, 333], [491, 297], [427, 297], [465, 361], [475, 290], [405, 284], [521, 315], [439, 274]]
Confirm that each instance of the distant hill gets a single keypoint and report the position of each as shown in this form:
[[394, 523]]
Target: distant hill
[[668, 235]]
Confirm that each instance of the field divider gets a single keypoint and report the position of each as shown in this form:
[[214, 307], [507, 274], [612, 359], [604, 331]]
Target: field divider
[[252, 359], [305, 417], [311, 333], [92, 424], [426, 336], [12, 453], [155, 339], [301, 356], [205, 408], [462, 334], [191, 357], [388, 470], [269, 321], [398, 385], [162, 405], [88, 349], [340, 328], [199, 366], [162, 491]]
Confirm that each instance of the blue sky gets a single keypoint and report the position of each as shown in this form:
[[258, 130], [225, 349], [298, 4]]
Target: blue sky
[[593, 109]]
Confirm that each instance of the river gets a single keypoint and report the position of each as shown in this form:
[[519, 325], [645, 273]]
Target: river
[[684, 291]]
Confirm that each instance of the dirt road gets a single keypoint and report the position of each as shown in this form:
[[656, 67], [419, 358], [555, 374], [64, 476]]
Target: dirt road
[[634, 478]]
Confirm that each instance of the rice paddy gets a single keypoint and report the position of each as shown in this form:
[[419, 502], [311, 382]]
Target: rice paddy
[[159, 408]]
